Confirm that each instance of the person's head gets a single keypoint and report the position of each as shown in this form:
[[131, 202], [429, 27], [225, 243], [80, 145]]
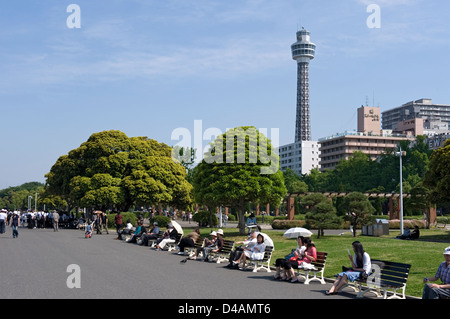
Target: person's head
[[253, 234], [447, 255], [252, 215], [213, 234], [308, 243], [260, 238], [359, 251], [301, 241], [220, 232]]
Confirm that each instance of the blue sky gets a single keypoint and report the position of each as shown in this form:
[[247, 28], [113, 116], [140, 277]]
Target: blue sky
[[148, 67]]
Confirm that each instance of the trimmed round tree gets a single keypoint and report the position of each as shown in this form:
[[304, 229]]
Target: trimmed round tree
[[240, 166]]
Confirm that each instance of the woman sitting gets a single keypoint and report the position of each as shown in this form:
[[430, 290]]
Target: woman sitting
[[280, 263], [304, 256], [167, 238], [255, 252], [360, 263], [189, 240]]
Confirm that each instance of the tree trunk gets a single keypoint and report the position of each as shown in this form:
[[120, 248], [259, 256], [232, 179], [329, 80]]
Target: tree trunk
[[241, 221]]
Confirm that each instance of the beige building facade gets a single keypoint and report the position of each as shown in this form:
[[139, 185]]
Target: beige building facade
[[342, 146], [369, 139]]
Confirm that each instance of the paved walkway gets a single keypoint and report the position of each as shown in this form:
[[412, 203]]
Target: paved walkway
[[37, 265]]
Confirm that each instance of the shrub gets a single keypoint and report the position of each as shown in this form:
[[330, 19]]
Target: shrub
[[161, 220], [286, 224], [203, 219], [395, 223]]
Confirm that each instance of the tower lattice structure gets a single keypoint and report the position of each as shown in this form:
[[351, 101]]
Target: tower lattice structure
[[303, 52]]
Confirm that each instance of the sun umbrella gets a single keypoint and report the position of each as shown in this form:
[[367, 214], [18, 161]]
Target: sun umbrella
[[177, 227], [267, 240], [297, 231]]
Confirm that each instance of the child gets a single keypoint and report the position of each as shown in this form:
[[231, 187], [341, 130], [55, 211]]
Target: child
[[88, 233]]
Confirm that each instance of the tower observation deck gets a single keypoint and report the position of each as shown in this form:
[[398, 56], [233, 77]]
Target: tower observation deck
[[303, 51]]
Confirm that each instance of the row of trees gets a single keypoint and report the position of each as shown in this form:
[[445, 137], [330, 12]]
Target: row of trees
[[113, 171], [424, 177]]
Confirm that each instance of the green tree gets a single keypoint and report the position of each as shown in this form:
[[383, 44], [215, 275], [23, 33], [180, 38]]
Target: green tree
[[437, 177], [111, 170], [359, 210], [240, 166], [321, 213]]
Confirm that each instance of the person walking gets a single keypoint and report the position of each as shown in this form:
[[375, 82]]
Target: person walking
[[3, 217], [119, 223], [55, 221], [104, 223], [15, 222]]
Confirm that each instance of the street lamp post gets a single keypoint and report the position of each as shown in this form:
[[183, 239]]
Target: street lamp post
[[29, 202], [401, 154]]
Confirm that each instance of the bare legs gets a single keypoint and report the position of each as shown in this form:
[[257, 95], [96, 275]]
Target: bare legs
[[340, 282]]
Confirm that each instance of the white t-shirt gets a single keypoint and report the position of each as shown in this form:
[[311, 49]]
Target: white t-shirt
[[367, 265]]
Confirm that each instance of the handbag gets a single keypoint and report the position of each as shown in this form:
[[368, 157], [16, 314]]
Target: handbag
[[363, 276]]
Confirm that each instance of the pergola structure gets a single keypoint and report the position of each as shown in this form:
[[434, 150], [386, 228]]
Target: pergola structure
[[393, 197]]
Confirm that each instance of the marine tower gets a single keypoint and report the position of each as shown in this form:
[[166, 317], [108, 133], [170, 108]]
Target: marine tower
[[303, 51]]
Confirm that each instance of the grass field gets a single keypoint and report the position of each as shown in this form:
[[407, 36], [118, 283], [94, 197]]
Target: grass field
[[424, 254]]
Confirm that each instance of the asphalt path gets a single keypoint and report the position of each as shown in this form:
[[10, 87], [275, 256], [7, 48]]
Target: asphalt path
[[37, 265]]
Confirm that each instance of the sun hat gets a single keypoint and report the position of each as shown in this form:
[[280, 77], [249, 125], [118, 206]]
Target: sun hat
[[213, 233], [220, 231], [447, 251]]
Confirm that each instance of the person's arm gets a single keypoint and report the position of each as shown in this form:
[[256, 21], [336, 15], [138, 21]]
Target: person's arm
[[311, 255]]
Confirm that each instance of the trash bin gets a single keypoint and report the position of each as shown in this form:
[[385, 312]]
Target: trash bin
[[381, 227]]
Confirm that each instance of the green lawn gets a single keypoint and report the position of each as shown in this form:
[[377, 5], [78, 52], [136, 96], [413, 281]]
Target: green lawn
[[424, 254]]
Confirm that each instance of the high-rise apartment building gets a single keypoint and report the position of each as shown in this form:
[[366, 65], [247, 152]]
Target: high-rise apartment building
[[423, 108]]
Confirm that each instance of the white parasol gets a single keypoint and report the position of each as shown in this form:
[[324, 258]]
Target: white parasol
[[297, 231], [177, 227], [267, 240]]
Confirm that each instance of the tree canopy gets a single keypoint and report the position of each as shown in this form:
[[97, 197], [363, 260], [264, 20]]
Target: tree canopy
[[240, 166], [438, 175], [111, 170]]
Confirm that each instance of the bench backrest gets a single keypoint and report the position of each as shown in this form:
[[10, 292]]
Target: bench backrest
[[268, 253], [320, 261], [200, 241], [392, 273], [227, 246], [178, 238]]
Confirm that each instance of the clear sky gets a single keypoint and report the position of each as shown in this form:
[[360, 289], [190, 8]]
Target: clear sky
[[148, 67]]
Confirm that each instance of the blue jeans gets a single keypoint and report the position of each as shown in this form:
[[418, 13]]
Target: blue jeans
[[15, 231]]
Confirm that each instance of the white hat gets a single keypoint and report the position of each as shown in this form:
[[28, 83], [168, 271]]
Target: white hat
[[213, 233], [447, 251], [220, 231]]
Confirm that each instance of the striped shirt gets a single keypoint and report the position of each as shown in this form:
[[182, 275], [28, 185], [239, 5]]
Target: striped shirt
[[443, 273]]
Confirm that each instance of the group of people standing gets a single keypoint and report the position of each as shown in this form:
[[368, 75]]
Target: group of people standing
[[17, 219]]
